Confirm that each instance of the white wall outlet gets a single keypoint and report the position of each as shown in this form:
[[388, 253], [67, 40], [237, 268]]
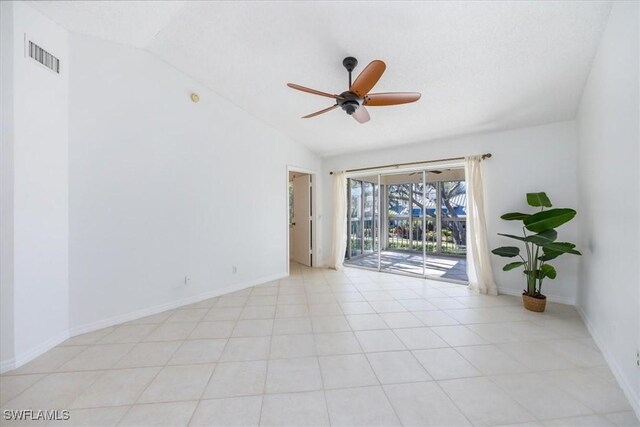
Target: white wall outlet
[[234, 269], [638, 358], [187, 280]]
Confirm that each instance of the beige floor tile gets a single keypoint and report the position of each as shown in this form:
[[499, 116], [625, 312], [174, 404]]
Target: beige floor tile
[[97, 357], [234, 379], [89, 338], [483, 403], [198, 351], [490, 360], [393, 367], [325, 324], [347, 371], [623, 419], [550, 402], [223, 313], [361, 307], [424, 404], [55, 391], [291, 310], [387, 306], [251, 348], [419, 338], [366, 322], [401, 320], [293, 375], [49, 361], [294, 409], [171, 332], [253, 328], [374, 341], [94, 417], [458, 335], [262, 300], [584, 421], [174, 414], [188, 315], [337, 343], [435, 318], [116, 388], [445, 363], [258, 312], [11, 386], [292, 325], [235, 411], [231, 301], [215, 329], [127, 334], [147, 354], [367, 406], [287, 346], [177, 383], [599, 394]]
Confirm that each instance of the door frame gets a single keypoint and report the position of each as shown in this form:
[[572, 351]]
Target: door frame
[[314, 214]]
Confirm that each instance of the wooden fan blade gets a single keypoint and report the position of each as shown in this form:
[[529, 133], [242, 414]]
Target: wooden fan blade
[[313, 91], [390, 98], [361, 115], [368, 78], [317, 113]]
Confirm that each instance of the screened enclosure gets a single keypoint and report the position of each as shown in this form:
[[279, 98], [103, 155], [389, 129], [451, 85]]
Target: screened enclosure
[[412, 223]]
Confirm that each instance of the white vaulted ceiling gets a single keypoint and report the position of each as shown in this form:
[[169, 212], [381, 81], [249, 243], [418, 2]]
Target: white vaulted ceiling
[[480, 66]]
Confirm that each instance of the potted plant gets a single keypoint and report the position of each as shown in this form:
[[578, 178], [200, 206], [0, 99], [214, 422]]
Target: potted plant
[[539, 238]]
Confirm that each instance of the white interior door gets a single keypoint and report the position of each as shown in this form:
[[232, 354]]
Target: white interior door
[[301, 227]]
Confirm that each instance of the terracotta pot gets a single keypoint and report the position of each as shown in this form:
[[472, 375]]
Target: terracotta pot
[[536, 304]]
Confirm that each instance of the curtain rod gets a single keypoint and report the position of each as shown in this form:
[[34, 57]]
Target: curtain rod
[[397, 165]]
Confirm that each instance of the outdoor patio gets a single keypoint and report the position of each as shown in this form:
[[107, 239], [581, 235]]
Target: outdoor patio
[[444, 267]]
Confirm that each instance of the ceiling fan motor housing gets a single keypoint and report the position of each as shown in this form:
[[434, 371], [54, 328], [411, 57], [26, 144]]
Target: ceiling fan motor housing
[[349, 102]]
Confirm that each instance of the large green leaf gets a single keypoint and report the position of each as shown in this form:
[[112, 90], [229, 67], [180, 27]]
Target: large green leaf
[[555, 249], [513, 265], [538, 199], [511, 216], [548, 271], [548, 220], [544, 238], [506, 251], [511, 236]]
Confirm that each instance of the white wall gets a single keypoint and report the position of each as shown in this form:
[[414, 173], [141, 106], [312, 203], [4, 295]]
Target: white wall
[[162, 188], [35, 187], [534, 159], [6, 184], [609, 192]]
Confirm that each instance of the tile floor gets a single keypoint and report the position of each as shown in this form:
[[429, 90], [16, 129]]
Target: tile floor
[[331, 348], [410, 262]]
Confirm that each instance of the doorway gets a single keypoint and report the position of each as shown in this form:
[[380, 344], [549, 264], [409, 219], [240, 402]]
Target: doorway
[[411, 222], [300, 217]]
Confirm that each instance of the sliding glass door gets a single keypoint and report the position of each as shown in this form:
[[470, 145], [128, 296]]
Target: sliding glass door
[[408, 222]]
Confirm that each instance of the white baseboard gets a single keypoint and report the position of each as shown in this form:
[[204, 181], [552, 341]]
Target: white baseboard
[[29, 355], [16, 362], [551, 298], [628, 391]]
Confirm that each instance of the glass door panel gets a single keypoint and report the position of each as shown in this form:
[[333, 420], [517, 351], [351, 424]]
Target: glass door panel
[[453, 196], [355, 218]]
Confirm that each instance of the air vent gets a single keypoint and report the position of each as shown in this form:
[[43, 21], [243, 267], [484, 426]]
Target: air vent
[[44, 57]]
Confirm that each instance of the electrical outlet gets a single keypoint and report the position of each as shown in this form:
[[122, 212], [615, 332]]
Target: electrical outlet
[[187, 280], [638, 358], [234, 269]]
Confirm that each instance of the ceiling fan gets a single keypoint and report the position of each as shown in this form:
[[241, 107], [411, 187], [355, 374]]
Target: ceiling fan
[[353, 100]]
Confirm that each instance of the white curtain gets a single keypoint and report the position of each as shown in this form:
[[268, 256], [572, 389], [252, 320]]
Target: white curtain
[[478, 256], [339, 245]]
